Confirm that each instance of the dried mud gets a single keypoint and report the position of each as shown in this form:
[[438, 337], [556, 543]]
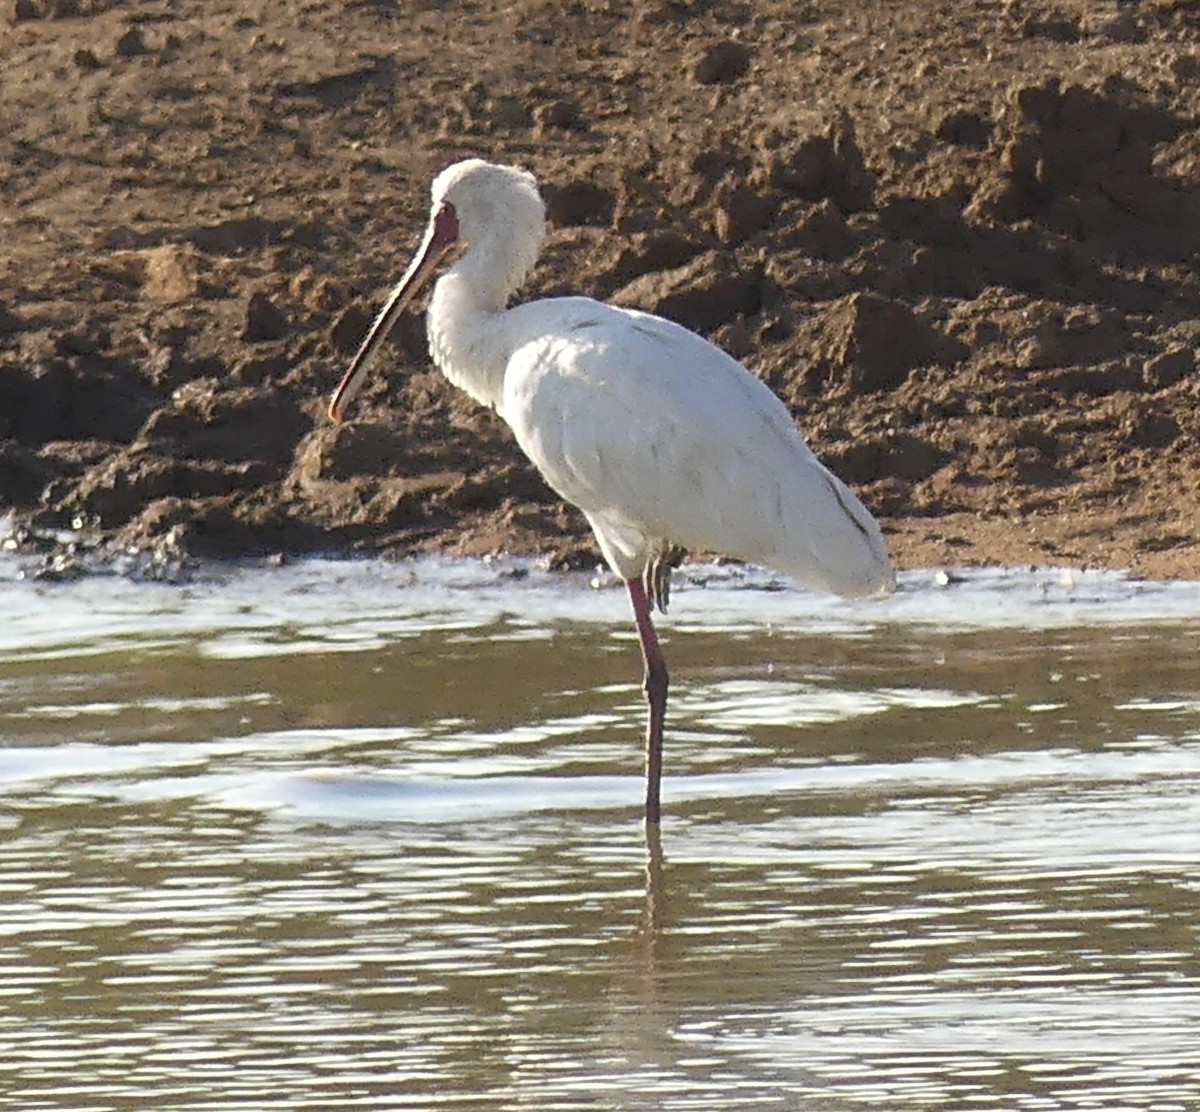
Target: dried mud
[[958, 238]]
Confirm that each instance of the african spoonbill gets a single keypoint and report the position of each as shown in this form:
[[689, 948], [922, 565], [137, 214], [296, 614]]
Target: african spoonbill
[[664, 441]]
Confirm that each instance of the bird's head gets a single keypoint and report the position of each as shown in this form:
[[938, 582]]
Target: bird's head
[[496, 209]]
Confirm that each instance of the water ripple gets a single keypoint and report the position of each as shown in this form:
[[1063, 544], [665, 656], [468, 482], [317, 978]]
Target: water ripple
[[367, 836]]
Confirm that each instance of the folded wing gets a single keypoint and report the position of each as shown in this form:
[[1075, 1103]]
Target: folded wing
[[658, 436]]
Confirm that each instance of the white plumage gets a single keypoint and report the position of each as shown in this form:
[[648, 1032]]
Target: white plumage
[[663, 439], [659, 437]]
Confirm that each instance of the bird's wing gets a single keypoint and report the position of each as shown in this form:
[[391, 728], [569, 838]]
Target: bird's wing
[[656, 434]]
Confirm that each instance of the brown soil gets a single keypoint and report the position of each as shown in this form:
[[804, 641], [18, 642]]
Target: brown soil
[[958, 237]]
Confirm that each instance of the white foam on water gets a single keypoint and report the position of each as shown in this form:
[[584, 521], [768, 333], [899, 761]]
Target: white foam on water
[[342, 605]]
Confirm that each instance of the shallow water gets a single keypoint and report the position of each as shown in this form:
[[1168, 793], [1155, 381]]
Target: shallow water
[[367, 836]]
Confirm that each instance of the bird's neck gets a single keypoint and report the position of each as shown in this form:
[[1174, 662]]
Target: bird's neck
[[466, 322], [465, 341]]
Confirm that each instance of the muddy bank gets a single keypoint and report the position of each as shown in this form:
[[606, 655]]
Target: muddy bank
[[958, 240]]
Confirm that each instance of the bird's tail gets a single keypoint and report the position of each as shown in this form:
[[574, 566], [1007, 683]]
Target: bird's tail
[[841, 547]]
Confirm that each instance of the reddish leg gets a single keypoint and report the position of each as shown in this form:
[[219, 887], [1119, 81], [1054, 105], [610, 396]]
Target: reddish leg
[[655, 687]]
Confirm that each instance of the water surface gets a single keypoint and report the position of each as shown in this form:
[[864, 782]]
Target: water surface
[[366, 835]]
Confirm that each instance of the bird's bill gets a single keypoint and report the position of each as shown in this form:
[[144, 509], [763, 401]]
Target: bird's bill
[[439, 238]]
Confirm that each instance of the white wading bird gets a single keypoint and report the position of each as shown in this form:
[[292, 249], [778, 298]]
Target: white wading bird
[[661, 439]]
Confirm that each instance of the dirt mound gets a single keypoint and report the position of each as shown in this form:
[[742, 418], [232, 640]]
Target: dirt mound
[[1082, 160], [975, 290]]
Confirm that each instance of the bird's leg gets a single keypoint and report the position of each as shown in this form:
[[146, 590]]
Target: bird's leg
[[655, 687]]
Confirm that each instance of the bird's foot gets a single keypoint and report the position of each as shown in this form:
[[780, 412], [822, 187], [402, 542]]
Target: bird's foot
[[657, 577]]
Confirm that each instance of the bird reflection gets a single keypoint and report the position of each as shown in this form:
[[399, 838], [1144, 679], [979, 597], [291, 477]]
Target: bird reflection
[[652, 909]]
